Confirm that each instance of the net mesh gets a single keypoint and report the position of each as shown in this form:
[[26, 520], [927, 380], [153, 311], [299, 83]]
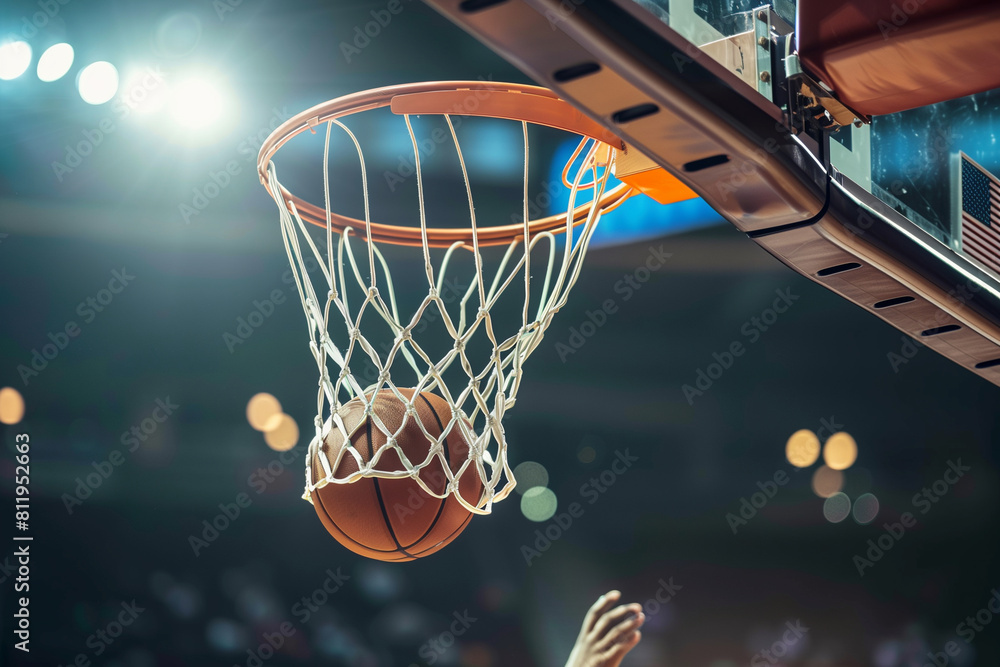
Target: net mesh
[[359, 288]]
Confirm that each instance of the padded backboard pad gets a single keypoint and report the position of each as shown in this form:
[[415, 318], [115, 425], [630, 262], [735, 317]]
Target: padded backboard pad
[[884, 56]]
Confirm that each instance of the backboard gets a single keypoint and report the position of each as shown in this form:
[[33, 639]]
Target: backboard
[[769, 114]]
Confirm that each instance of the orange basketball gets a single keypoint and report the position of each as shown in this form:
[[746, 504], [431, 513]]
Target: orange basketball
[[395, 519]]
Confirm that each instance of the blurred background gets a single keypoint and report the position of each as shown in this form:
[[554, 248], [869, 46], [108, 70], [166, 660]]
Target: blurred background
[[144, 167]]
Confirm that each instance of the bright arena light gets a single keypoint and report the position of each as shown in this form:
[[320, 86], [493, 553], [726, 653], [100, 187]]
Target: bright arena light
[[98, 82], [55, 62], [15, 57], [197, 103], [143, 89]]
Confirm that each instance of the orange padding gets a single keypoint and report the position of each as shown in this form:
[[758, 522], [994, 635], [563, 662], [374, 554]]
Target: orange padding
[[659, 184], [884, 56]]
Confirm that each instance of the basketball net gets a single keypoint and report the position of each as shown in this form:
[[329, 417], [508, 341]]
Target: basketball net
[[479, 397]]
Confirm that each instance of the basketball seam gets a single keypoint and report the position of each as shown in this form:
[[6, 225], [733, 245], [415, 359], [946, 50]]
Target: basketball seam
[[447, 457], [343, 532], [378, 494], [453, 533]]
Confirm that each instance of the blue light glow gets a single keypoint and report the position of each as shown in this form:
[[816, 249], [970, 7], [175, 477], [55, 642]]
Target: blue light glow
[[638, 218]]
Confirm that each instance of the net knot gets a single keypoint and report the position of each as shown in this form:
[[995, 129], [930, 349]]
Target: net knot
[[433, 293], [372, 292], [483, 312], [344, 372]]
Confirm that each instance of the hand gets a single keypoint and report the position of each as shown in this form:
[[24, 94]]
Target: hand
[[607, 633]]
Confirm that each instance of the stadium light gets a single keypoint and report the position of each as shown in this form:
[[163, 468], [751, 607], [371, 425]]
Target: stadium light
[[98, 82], [197, 103], [55, 62], [15, 57]]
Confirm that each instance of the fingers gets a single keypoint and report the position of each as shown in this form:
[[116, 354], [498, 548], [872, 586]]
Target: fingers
[[598, 608], [623, 631], [615, 616], [628, 643]]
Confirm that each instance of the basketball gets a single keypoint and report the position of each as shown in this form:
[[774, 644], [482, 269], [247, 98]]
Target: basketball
[[395, 519]]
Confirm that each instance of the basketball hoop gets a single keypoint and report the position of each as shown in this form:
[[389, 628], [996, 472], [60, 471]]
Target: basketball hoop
[[478, 398]]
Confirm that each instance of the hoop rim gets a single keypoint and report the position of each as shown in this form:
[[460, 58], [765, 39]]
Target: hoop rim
[[510, 101]]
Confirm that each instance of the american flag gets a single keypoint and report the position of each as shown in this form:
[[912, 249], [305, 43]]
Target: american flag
[[980, 214]]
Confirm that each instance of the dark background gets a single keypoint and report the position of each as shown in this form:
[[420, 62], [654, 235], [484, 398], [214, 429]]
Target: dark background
[[665, 518]]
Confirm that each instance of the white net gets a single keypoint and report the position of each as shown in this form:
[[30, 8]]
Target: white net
[[360, 289]]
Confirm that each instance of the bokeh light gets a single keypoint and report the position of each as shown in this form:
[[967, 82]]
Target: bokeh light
[[11, 405], [837, 507], [587, 454], [802, 448], [380, 583], [197, 103], [144, 89], [178, 34], [826, 481], [840, 451], [15, 58], [226, 636], [539, 503], [98, 82], [530, 474], [55, 62], [477, 655], [264, 412], [284, 436], [865, 508], [183, 600]]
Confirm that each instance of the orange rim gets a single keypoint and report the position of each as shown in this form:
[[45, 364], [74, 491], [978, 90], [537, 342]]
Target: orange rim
[[532, 104]]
